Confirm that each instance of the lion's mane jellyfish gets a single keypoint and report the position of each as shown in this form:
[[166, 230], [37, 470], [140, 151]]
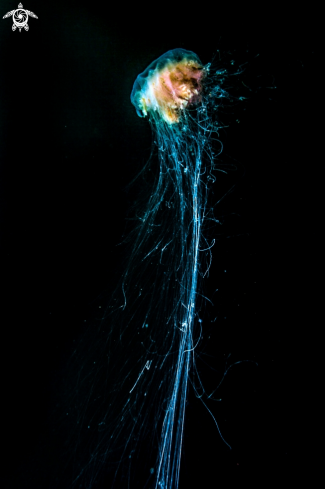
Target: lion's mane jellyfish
[[131, 374], [179, 96]]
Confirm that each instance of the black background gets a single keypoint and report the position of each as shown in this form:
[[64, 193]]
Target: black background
[[70, 141]]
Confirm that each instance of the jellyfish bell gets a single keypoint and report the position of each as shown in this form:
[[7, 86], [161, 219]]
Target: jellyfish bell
[[169, 85]]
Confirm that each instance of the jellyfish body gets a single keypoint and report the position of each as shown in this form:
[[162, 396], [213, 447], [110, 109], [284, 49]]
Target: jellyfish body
[[168, 85]]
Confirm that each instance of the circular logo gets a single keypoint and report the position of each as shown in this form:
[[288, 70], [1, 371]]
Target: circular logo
[[20, 18]]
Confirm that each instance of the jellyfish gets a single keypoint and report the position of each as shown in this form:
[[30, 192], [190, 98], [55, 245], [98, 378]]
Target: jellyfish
[[126, 408], [177, 96]]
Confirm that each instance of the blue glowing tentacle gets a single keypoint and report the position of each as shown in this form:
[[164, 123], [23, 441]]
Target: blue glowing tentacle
[[173, 425]]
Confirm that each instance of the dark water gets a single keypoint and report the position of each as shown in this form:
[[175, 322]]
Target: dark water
[[70, 141]]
